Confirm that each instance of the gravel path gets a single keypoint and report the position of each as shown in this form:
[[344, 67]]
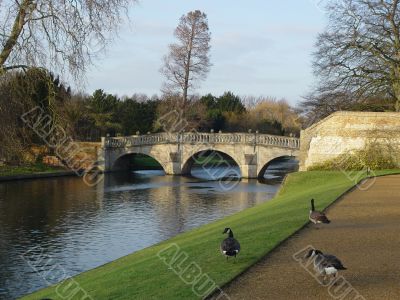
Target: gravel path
[[364, 234]]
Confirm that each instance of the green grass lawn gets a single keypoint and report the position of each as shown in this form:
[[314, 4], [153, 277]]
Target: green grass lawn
[[144, 162], [142, 275], [213, 160], [27, 170]]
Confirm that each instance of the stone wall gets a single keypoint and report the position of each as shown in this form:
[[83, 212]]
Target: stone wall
[[84, 155], [343, 132], [88, 154]]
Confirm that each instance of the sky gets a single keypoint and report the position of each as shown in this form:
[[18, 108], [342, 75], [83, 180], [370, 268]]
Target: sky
[[258, 47]]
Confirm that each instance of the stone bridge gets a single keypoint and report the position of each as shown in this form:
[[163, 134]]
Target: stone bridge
[[177, 152]]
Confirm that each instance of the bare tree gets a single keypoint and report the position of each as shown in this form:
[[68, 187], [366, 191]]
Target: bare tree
[[188, 60], [358, 55], [318, 105], [274, 110], [56, 34]]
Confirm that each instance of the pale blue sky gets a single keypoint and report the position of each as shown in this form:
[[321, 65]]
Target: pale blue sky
[[259, 47]]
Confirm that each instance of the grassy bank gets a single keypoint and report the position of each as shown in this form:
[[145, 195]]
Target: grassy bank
[[143, 275], [28, 169], [144, 162]]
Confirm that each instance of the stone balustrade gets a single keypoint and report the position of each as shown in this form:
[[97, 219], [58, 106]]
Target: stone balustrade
[[202, 138]]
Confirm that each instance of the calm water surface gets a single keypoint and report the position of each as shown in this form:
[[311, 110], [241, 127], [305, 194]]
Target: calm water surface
[[81, 227]]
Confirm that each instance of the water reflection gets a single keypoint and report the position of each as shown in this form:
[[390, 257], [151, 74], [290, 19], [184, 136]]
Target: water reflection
[[82, 227], [279, 168]]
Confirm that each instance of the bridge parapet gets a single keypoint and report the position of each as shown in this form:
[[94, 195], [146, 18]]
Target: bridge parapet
[[202, 138]]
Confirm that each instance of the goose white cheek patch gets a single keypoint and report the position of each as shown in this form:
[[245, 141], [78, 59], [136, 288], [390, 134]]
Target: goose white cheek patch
[[330, 271]]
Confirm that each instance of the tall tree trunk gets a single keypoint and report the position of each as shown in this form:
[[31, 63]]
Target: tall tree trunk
[[397, 103], [186, 83], [187, 69], [18, 25], [396, 88]]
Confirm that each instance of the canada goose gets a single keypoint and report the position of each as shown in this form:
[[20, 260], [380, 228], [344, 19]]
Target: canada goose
[[317, 217], [230, 246], [325, 264]]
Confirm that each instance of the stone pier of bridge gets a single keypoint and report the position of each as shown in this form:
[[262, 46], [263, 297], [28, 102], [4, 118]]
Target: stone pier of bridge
[[177, 152]]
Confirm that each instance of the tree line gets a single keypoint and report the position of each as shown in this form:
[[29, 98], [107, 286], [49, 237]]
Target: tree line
[[89, 117], [357, 59], [356, 62], [356, 65]]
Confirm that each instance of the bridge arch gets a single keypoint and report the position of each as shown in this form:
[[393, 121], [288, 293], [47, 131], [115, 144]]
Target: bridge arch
[[213, 158], [265, 166], [174, 151], [122, 162]]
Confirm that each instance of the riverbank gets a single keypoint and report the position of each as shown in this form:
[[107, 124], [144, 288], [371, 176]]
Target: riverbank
[[363, 234], [39, 170], [8, 173], [142, 275]]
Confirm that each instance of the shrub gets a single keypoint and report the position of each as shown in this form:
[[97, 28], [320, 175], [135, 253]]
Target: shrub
[[376, 156]]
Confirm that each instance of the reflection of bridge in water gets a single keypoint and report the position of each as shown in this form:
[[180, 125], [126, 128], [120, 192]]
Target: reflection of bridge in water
[[177, 152]]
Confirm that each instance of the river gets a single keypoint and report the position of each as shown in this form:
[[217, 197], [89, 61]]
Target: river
[[81, 227]]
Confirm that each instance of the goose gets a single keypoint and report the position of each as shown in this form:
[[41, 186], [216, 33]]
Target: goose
[[317, 217], [325, 264], [229, 246]]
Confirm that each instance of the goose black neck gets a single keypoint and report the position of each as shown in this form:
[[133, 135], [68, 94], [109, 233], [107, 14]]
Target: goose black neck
[[230, 233], [312, 205]]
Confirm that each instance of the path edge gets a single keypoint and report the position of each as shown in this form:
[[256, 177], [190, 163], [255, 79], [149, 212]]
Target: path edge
[[281, 243]]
